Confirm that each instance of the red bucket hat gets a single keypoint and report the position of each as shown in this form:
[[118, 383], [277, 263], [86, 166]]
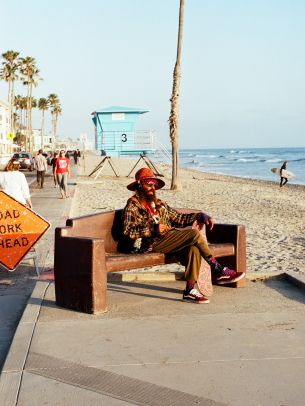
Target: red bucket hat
[[143, 174]]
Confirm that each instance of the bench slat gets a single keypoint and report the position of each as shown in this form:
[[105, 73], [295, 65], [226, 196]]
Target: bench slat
[[120, 262]]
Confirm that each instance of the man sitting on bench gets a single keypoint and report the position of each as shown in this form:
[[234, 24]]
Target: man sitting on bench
[[150, 224]]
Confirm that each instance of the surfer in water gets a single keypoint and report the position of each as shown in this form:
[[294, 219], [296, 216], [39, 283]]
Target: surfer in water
[[283, 179]]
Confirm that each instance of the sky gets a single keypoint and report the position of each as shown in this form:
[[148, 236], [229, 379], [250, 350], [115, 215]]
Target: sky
[[243, 65]]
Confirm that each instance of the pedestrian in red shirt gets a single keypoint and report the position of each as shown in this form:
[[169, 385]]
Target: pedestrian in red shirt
[[62, 170]]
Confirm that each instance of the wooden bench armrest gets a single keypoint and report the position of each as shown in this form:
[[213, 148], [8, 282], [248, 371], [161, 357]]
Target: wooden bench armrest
[[222, 233], [80, 272], [235, 234]]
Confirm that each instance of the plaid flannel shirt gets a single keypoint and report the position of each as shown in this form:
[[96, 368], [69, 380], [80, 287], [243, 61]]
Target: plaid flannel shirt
[[137, 221]]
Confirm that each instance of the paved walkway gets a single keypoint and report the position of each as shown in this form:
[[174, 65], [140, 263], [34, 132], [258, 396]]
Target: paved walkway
[[246, 347], [16, 287]]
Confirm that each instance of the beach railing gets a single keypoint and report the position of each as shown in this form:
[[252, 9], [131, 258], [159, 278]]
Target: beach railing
[[134, 143]]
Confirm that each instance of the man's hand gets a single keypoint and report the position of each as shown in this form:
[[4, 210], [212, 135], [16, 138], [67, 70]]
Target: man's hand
[[210, 223], [205, 219], [163, 228]]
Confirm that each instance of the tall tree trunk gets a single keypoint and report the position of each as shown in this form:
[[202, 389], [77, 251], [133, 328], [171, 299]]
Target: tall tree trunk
[[19, 122], [42, 128], [22, 120], [9, 92], [27, 128], [27, 134], [52, 129], [30, 120], [174, 114], [9, 100], [12, 129], [55, 126]]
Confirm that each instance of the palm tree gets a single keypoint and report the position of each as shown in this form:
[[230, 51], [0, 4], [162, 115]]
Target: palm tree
[[20, 104], [57, 112], [43, 105], [23, 103], [54, 103], [33, 103], [20, 139], [9, 74], [174, 114], [18, 115], [30, 74]]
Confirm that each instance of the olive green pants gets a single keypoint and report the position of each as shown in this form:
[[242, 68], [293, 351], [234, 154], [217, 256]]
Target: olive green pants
[[188, 246]]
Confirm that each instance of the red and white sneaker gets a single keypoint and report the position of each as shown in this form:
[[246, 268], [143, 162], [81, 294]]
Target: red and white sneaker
[[195, 296], [229, 276]]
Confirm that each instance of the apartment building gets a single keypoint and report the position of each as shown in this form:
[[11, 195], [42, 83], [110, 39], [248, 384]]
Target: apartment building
[[5, 144]]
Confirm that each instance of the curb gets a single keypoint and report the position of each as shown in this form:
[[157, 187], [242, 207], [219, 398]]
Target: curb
[[11, 375], [143, 276]]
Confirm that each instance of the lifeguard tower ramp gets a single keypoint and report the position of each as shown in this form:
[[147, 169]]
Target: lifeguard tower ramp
[[115, 133]]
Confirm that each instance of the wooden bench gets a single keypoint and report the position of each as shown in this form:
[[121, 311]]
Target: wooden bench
[[86, 250]]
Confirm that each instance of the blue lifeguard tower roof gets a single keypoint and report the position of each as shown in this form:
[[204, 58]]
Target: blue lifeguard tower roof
[[121, 109]]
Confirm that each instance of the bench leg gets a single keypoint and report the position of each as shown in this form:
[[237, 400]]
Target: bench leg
[[99, 285], [242, 283], [96, 301], [237, 263]]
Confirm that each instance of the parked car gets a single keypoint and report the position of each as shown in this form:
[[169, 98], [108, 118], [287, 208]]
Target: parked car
[[25, 159]]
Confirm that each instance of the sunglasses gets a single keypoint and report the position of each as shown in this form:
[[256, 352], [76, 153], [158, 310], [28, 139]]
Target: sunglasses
[[150, 182]]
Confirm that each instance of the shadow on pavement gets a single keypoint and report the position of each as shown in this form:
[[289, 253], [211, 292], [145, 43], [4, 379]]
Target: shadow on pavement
[[15, 289], [124, 287], [285, 288]]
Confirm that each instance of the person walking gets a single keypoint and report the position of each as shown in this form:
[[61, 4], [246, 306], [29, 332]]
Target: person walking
[[53, 164], [75, 156], [284, 180], [62, 170], [41, 165], [150, 224], [14, 183]]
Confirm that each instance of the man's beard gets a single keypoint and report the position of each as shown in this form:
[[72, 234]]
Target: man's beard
[[148, 197]]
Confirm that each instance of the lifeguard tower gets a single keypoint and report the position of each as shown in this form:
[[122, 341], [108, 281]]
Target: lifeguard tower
[[115, 132], [115, 136]]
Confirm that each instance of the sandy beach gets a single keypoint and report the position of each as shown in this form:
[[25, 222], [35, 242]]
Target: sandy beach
[[273, 217]]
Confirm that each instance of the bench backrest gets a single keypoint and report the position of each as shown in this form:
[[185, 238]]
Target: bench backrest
[[106, 225]]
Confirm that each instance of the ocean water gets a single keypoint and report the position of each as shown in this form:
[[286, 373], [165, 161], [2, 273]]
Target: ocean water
[[254, 163]]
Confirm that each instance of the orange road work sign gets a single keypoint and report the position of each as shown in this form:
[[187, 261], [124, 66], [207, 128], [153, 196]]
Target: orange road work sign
[[20, 229]]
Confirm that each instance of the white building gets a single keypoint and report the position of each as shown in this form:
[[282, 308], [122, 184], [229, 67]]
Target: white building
[[71, 144], [6, 145], [46, 143]]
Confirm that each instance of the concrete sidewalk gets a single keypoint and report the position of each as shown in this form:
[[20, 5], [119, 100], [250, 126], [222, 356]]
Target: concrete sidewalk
[[246, 347], [16, 287]]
